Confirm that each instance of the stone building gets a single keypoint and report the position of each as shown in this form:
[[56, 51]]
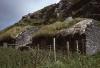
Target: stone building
[[86, 33], [83, 36]]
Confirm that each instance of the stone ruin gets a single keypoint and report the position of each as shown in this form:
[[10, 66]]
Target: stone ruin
[[83, 36]]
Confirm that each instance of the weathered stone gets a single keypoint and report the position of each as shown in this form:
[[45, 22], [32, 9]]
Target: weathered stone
[[25, 37], [91, 29]]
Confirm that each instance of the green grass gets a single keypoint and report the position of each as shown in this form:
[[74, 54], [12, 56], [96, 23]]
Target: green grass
[[13, 31], [53, 28], [49, 29], [11, 58]]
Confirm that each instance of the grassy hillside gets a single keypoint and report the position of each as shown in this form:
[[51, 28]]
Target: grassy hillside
[[11, 58], [44, 29], [12, 31], [52, 29]]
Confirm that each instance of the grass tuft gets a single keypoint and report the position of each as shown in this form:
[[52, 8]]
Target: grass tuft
[[11, 58]]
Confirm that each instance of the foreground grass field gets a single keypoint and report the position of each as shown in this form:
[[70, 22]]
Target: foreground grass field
[[11, 58]]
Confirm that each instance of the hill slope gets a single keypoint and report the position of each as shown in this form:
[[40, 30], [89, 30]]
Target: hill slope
[[50, 15]]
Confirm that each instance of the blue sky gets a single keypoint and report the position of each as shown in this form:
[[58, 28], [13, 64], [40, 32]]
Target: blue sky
[[11, 11]]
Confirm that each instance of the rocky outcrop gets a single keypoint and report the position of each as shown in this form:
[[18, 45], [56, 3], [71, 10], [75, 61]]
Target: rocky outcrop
[[50, 13], [43, 16], [64, 9], [90, 10]]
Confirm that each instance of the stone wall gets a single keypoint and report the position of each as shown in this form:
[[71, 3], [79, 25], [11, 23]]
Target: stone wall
[[25, 37], [93, 38]]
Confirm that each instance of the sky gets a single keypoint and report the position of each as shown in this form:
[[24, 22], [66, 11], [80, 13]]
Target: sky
[[11, 11]]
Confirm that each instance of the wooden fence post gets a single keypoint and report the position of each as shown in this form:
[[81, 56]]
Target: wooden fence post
[[68, 48], [54, 47], [77, 46]]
